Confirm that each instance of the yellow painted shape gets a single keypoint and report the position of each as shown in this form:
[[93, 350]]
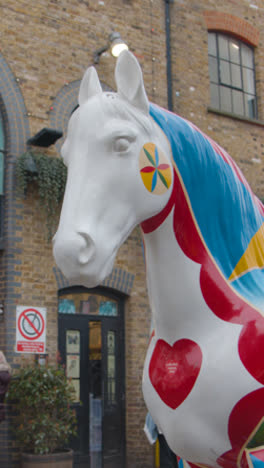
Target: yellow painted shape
[[147, 179], [167, 175], [252, 258]]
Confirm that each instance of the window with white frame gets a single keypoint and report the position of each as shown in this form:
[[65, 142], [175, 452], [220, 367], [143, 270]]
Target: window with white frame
[[232, 75]]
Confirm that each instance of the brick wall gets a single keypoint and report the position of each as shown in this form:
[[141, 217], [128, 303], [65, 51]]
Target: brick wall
[[190, 23], [45, 48], [48, 46]]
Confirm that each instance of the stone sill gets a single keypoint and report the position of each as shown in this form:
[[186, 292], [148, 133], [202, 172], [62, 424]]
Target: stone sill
[[260, 123]]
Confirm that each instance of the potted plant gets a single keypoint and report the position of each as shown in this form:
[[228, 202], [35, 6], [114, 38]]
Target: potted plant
[[43, 420]]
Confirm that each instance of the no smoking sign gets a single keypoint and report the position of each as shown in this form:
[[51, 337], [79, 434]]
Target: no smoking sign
[[30, 329]]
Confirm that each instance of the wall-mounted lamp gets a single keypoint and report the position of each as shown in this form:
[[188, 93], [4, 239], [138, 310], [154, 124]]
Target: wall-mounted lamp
[[115, 44], [45, 137]]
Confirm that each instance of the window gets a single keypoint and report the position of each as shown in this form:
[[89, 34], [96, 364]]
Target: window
[[232, 75], [80, 301]]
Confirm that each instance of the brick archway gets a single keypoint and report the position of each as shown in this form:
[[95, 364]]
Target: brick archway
[[230, 24], [65, 102]]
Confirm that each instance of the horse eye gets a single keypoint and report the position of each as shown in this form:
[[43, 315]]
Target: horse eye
[[121, 145]]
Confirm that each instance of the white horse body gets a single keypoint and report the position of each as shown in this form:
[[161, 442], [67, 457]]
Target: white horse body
[[198, 384], [175, 303]]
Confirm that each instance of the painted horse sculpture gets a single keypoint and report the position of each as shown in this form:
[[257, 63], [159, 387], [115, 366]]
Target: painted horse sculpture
[[131, 162]]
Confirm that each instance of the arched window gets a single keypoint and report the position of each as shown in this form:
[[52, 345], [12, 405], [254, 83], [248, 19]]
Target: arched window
[[232, 75]]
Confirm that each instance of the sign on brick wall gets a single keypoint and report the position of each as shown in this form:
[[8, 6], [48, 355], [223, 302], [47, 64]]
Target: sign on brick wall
[[30, 329]]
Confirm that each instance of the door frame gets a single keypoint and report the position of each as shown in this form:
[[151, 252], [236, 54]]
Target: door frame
[[66, 321]]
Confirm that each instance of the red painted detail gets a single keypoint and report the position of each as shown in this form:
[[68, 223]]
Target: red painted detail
[[243, 422], [162, 167], [150, 224], [194, 465], [258, 454], [220, 297], [173, 370], [151, 336], [148, 169], [217, 293], [251, 348]]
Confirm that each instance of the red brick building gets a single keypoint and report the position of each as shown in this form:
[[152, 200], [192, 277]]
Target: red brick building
[[203, 60]]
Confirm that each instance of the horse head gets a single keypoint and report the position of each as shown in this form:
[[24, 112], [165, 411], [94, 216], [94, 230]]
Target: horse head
[[119, 173]]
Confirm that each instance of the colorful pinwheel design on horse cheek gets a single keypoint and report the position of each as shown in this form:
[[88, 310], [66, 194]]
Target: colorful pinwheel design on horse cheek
[[154, 169]]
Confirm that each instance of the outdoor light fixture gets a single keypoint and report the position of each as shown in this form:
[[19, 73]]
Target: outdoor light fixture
[[45, 137], [115, 44]]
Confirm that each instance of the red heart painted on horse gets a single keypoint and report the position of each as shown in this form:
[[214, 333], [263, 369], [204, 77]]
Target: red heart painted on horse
[[173, 370]]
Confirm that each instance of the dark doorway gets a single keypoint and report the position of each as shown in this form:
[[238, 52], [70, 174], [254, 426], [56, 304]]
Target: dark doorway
[[91, 345]]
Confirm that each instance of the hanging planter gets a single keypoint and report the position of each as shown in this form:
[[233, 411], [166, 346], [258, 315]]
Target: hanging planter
[[49, 173]]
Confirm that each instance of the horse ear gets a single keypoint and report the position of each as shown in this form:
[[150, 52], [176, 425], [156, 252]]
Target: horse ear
[[90, 85], [129, 81]]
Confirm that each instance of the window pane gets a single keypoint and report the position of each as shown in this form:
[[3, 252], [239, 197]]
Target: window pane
[[95, 393], [232, 75], [223, 47], [87, 303], [238, 105], [212, 44], [66, 306], [73, 366], [73, 361], [236, 76], [248, 81], [213, 71], [234, 51], [214, 91], [73, 341], [247, 56], [250, 106], [225, 99], [225, 72], [111, 368]]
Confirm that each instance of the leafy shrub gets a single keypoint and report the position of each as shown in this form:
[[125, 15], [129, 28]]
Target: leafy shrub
[[44, 420]]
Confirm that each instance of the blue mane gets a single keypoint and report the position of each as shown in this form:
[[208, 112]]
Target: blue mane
[[225, 210]]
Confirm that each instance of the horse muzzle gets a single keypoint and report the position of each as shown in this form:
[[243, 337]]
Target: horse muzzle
[[73, 253]]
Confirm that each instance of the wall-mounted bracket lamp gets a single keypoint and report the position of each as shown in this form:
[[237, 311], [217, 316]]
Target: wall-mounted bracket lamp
[[115, 44], [45, 137]]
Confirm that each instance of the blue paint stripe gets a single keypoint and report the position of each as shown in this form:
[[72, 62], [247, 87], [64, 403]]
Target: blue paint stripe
[[223, 207]]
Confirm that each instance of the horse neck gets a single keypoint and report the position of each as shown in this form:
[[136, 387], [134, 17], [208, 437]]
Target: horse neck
[[172, 281]]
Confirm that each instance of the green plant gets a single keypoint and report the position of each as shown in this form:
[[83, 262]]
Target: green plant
[[43, 420], [49, 173]]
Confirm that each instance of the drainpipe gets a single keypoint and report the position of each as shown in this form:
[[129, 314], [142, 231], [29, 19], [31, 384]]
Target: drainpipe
[[168, 53]]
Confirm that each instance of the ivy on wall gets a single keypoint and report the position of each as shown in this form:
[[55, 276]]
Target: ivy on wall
[[49, 174]]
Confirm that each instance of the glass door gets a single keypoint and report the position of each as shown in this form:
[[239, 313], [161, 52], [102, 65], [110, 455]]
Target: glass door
[[92, 348]]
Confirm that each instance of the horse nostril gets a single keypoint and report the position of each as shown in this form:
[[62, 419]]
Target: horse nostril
[[86, 251]]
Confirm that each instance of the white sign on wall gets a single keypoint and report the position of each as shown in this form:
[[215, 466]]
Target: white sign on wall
[[30, 329]]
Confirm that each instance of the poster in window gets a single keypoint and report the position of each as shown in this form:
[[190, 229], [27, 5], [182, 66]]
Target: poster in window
[[75, 383], [73, 366], [73, 341]]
